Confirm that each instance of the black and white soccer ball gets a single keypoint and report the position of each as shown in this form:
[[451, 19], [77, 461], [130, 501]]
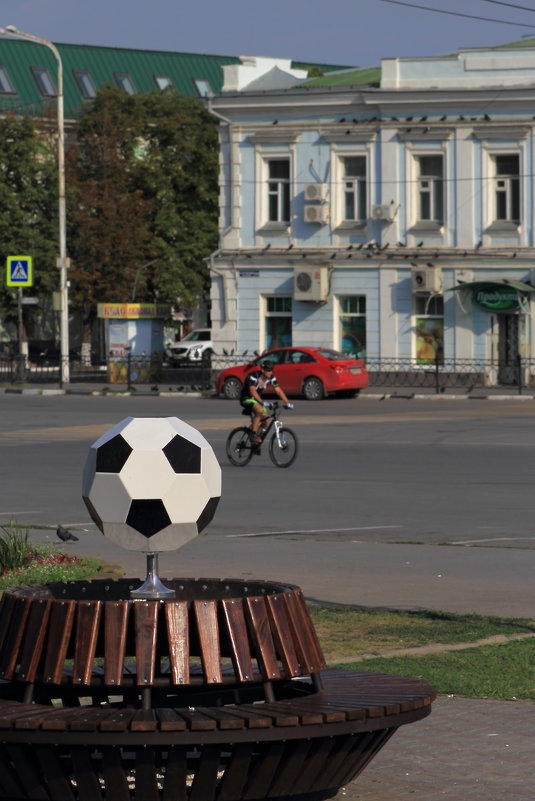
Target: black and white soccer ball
[[151, 483]]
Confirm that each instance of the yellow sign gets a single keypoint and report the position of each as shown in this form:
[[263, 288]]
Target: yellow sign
[[132, 311], [19, 271]]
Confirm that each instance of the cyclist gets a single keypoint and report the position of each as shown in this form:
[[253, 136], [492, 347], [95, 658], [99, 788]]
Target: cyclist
[[251, 396]]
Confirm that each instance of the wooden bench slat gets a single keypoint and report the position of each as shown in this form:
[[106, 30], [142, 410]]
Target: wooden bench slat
[[205, 779], [115, 629], [169, 720], [233, 781], [58, 785], [294, 758], [283, 636], [146, 781], [208, 633], [144, 720], [34, 638], [239, 639], [59, 633], [116, 720], [146, 616], [10, 650], [174, 786], [177, 624], [87, 782], [223, 720], [252, 716], [196, 721], [9, 784], [307, 647], [87, 629], [266, 767], [115, 780], [261, 631], [7, 605], [29, 777]]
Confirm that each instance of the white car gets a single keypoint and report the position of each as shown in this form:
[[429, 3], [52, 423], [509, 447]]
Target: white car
[[195, 347]]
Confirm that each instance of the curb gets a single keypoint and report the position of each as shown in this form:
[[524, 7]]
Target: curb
[[441, 396]]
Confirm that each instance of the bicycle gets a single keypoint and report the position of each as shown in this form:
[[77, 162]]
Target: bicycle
[[282, 445]]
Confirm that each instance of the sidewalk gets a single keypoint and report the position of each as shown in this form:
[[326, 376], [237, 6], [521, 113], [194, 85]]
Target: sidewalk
[[371, 393]]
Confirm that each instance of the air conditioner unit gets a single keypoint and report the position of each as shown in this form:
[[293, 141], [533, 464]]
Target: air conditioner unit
[[384, 211], [316, 192], [311, 283], [316, 214], [427, 279]]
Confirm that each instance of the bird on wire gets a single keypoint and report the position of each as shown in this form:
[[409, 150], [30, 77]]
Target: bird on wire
[[65, 535]]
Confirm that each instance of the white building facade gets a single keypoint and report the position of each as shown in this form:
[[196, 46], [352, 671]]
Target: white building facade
[[392, 219]]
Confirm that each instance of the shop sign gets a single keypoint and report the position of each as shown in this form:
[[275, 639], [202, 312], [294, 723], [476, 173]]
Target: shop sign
[[133, 311], [498, 297]]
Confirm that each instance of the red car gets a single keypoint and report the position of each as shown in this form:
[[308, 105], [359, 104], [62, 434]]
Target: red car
[[312, 372]]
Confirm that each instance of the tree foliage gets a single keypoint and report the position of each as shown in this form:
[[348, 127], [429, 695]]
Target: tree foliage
[[28, 206], [143, 186]]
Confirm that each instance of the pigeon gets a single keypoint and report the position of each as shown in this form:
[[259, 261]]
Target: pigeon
[[65, 535]]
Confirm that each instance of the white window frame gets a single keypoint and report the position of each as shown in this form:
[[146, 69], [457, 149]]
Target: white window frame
[[265, 155], [44, 81], [339, 313], [504, 185], [490, 180], [6, 84], [85, 84], [265, 314], [414, 153], [427, 187], [339, 154]]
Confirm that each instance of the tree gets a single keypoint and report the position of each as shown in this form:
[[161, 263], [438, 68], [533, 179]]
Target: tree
[[143, 177], [28, 212]]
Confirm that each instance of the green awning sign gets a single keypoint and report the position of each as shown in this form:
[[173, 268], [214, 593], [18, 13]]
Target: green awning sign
[[496, 297]]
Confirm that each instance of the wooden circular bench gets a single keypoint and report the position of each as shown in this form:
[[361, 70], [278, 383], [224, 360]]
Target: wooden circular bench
[[217, 695]]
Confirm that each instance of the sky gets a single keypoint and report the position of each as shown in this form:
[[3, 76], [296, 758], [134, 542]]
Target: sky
[[342, 32]]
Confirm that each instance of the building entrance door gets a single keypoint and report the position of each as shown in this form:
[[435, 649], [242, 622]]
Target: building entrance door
[[508, 348]]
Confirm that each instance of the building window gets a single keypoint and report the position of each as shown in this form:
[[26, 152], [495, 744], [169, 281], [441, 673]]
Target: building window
[[6, 87], [507, 187], [203, 87], [125, 82], [44, 82], [278, 188], [162, 81], [354, 188], [278, 322], [85, 84], [352, 325], [429, 329], [430, 188]]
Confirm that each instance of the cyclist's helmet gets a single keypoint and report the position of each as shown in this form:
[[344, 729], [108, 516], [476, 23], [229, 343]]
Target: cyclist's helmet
[[268, 365]]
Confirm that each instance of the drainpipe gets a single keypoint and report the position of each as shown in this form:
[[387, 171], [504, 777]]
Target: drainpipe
[[228, 123]]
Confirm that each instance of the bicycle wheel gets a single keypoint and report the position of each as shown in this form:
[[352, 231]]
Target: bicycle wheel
[[283, 454], [239, 447]]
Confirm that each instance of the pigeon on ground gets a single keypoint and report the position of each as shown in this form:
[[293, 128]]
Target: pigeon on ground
[[65, 535]]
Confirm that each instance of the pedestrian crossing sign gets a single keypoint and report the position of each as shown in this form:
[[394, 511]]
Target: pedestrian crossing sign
[[19, 271]]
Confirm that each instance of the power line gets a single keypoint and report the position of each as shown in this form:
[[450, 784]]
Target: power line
[[508, 5], [458, 14]]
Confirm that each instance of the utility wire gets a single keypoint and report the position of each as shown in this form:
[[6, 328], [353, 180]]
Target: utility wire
[[458, 14], [508, 5]]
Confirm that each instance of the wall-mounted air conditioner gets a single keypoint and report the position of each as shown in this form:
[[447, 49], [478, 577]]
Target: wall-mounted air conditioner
[[427, 279], [386, 212], [316, 214], [316, 192], [311, 283]]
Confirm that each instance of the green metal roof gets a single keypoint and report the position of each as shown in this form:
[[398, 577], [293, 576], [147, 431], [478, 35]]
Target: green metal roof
[[347, 77], [18, 57]]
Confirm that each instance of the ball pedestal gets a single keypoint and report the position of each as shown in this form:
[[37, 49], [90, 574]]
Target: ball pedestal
[[219, 694], [152, 587]]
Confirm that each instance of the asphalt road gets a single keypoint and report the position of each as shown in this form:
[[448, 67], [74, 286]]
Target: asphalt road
[[365, 515]]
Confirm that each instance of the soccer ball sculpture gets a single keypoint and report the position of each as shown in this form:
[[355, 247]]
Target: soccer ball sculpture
[[151, 483]]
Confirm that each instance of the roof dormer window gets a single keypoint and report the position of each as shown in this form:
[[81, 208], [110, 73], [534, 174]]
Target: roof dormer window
[[44, 82], [85, 84], [6, 87], [125, 82]]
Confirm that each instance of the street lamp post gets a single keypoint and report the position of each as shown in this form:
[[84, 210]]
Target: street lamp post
[[63, 261]]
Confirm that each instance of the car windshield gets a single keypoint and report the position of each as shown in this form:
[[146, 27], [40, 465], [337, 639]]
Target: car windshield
[[333, 355], [196, 336]]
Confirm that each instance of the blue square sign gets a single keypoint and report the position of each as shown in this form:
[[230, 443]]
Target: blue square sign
[[19, 271]]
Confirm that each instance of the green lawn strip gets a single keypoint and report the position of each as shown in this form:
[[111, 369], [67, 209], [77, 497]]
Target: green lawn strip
[[350, 632], [505, 671], [36, 573]]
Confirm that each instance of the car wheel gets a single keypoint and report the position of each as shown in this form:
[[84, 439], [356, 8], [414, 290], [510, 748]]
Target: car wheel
[[313, 389], [231, 388]]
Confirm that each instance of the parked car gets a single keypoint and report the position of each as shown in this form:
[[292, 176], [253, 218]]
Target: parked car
[[194, 348], [312, 372]]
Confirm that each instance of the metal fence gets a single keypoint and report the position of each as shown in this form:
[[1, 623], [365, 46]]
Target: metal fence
[[466, 374]]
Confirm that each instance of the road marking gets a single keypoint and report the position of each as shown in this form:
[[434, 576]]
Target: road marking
[[308, 531], [488, 539], [23, 512]]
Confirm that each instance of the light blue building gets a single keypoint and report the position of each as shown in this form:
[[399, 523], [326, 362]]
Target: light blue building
[[386, 212]]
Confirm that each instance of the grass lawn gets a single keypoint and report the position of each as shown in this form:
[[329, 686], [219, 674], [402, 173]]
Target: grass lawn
[[505, 671]]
